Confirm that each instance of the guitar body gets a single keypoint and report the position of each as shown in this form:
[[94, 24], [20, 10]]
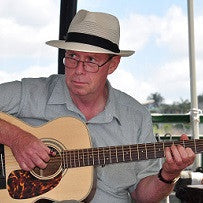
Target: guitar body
[[70, 183]]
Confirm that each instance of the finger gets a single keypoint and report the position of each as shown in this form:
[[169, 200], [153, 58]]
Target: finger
[[24, 166], [184, 137], [183, 155], [38, 161], [46, 148], [191, 155], [169, 156], [43, 152], [44, 155], [52, 152], [177, 158]]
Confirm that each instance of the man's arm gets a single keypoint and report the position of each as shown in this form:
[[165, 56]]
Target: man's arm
[[151, 188], [28, 150]]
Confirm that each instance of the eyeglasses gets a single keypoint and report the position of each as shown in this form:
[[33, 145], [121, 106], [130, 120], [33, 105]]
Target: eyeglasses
[[88, 66]]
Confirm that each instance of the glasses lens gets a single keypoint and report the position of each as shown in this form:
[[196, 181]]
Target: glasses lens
[[71, 63], [88, 66], [91, 67]]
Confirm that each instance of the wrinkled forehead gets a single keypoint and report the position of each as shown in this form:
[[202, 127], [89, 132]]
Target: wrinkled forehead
[[86, 54]]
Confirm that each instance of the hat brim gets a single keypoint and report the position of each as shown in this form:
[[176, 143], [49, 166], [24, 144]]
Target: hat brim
[[85, 48]]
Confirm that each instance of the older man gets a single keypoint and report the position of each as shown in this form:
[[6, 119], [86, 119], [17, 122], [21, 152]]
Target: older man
[[113, 117]]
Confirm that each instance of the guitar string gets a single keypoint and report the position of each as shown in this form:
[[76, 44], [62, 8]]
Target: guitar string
[[117, 148], [120, 152], [90, 161], [86, 161]]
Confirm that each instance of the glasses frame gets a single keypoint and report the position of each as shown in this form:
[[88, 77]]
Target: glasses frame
[[98, 66]]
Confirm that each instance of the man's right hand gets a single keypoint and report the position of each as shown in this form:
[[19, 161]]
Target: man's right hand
[[29, 151]]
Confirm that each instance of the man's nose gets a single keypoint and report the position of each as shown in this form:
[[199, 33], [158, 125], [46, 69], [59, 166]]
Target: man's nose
[[80, 69]]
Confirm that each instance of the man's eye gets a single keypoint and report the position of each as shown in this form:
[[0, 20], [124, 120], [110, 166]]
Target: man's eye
[[92, 60], [72, 55]]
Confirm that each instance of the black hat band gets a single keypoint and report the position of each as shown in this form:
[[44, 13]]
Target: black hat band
[[92, 40]]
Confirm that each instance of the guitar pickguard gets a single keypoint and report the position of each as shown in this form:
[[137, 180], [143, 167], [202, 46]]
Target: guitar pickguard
[[23, 185]]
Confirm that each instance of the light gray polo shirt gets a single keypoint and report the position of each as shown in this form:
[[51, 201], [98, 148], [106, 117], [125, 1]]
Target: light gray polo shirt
[[124, 121]]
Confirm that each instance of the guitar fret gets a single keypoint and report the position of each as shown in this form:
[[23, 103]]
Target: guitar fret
[[116, 154], [113, 155], [134, 152], [63, 157], [130, 153], [100, 156], [73, 161], [126, 150], [104, 156], [138, 154], [159, 150], [146, 151], [107, 155], [77, 164], [99, 162], [78, 156], [141, 151], [150, 151], [83, 157], [90, 156], [95, 155], [163, 148], [70, 163], [110, 155], [66, 158], [93, 158], [183, 141], [86, 157], [155, 151], [120, 154]]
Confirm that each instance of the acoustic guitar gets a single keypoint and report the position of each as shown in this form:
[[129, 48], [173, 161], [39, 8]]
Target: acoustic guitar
[[69, 174]]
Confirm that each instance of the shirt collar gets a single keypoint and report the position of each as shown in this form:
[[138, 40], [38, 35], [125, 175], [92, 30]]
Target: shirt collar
[[60, 95], [110, 112]]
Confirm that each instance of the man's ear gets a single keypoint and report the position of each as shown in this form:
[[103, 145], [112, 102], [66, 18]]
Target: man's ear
[[114, 64]]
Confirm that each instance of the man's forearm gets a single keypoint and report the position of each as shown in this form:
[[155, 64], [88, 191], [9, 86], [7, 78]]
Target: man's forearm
[[8, 132], [151, 189]]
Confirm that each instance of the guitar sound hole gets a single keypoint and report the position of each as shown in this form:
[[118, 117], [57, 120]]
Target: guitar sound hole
[[52, 169]]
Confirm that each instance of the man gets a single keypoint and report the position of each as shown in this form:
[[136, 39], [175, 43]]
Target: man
[[113, 118]]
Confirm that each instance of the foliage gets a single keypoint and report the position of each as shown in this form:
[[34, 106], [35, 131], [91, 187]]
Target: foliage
[[180, 107], [158, 106], [157, 98]]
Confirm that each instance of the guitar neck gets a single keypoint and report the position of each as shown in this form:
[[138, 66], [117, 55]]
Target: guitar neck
[[123, 153]]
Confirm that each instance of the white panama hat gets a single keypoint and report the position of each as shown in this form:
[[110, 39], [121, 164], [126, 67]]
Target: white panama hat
[[92, 32]]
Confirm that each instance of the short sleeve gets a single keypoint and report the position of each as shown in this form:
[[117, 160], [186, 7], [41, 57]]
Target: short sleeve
[[10, 97]]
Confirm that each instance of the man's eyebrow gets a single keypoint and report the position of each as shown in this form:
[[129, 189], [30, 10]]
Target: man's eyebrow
[[70, 52]]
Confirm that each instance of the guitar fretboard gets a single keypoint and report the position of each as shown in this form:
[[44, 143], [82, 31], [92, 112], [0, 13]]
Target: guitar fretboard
[[125, 153]]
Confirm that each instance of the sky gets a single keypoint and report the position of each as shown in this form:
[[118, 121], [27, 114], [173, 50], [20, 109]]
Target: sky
[[157, 30]]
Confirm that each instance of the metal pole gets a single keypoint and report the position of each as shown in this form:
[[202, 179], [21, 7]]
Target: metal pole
[[67, 12], [194, 113]]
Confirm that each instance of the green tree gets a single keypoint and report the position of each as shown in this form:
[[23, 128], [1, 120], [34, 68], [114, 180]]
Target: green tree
[[157, 98]]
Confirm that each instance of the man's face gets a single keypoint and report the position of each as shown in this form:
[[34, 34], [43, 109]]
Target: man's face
[[83, 83]]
